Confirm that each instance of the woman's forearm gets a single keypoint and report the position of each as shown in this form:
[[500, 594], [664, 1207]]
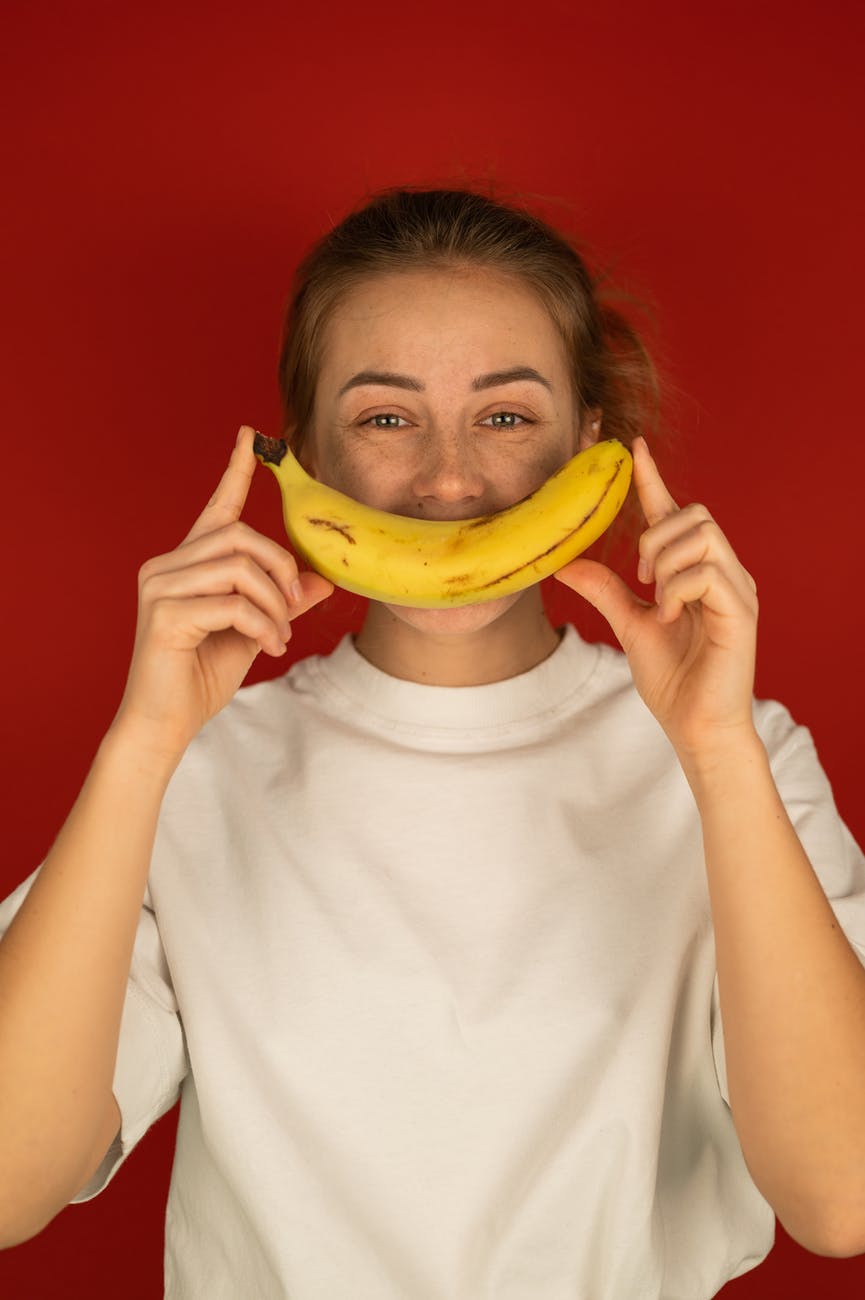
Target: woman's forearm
[[64, 963], [792, 993]]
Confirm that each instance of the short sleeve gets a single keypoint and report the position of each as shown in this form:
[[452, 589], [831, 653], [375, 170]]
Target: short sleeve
[[151, 1056], [837, 859]]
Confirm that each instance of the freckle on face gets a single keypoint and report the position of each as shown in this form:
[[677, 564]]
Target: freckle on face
[[438, 326]]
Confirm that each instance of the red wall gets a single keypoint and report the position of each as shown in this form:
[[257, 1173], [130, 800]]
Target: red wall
[[165, 166]]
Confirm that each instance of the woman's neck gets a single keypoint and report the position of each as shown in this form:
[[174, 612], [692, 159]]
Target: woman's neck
[[455, 651]]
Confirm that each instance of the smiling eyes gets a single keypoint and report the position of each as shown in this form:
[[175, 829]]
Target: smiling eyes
[[389, 415]]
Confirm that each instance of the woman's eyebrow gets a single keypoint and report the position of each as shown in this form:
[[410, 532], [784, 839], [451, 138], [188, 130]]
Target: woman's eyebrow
[[388, 379]]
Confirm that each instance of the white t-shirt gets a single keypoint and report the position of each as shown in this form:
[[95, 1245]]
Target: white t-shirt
[[432, 970]]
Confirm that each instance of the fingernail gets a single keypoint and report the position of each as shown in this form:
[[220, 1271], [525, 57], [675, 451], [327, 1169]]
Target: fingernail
[[296, 591], [643, 571]]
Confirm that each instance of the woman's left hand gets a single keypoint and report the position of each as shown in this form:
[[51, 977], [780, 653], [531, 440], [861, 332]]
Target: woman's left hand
[[691, 653]]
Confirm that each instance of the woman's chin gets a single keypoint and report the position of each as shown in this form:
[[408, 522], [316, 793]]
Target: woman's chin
[[454, 620]]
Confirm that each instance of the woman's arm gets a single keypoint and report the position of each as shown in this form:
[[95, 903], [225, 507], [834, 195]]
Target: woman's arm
[[206, 609], [792, 993], [64, 963], [792, 990]]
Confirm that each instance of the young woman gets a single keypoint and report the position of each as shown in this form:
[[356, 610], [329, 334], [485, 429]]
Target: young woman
[[485, 961]]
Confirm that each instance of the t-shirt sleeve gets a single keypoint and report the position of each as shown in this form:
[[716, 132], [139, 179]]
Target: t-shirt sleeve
[[151, 1056], [837, 859]]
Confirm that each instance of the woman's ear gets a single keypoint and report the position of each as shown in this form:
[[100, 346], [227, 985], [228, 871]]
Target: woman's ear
[[591, 430]]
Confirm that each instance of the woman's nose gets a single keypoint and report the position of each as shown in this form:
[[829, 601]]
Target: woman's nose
[[448, 470]]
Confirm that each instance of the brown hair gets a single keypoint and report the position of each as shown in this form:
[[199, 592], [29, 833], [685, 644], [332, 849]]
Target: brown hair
[[407, 228]]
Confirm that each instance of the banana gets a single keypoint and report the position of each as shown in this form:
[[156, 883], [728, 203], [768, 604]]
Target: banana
[[435, 564]]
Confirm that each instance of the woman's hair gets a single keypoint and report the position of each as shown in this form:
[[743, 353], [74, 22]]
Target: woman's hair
[[407, 229]]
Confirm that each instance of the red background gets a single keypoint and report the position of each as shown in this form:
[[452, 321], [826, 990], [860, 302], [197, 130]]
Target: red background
[[165, 166]]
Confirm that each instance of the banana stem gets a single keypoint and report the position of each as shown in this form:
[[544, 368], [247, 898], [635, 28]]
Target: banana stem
[[269, 450]]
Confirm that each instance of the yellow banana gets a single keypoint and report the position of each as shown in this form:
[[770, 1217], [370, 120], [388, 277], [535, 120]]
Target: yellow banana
[[435, 564]]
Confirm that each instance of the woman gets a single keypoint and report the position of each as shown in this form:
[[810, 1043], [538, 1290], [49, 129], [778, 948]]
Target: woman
[[486, 961]]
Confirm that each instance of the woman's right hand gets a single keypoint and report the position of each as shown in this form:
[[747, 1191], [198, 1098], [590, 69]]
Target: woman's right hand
[[205, 610]]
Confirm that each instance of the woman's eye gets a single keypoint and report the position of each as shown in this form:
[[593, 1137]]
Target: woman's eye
[[503, 420], [510, 416], [387, 415]]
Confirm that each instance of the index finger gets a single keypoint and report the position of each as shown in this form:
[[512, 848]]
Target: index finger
[[227, 502], [654, 497]]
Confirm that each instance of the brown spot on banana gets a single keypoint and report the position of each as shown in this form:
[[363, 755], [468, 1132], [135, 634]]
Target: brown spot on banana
[[342, 529]]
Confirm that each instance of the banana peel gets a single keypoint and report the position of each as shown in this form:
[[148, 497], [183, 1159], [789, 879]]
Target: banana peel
[[439, 564]]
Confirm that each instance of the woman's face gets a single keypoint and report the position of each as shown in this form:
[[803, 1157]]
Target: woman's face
[[420, 410]]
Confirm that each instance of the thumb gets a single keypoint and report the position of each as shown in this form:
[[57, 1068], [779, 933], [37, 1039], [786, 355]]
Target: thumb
[[314, 588], [605, 590]]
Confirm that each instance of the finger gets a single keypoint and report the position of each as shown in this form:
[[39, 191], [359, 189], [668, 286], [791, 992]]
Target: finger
[[232, 490], [234, 538], [314, 587], [656, 539], [655, 500], [229, 573], [687, 538], [706, 586], [703, 542], [183, 623]]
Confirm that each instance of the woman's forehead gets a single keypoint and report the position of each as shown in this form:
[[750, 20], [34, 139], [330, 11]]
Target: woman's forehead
[[457, 287], [403, 320]]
